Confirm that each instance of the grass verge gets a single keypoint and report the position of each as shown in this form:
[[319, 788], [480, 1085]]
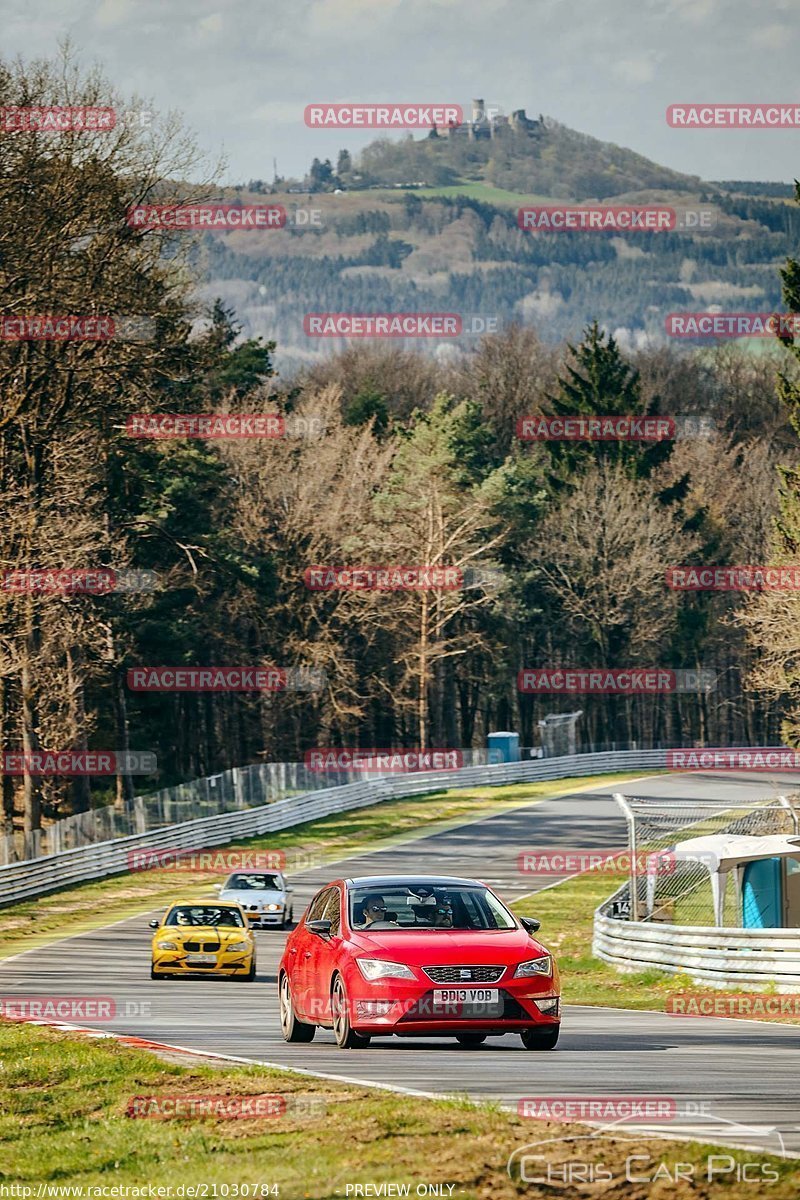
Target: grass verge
[[64, 1120], [93, 905]]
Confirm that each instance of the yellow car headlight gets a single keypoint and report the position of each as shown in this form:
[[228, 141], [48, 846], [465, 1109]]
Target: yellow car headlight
[[235, 947], [168, 945]]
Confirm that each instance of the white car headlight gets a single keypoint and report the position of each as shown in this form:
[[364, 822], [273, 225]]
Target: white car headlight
[[236, 946], [274, 907], [534, 966], [168, 945], [378, 968]]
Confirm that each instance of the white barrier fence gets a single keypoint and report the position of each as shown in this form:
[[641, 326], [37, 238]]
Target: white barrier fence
[[35, 877], [722, 957]]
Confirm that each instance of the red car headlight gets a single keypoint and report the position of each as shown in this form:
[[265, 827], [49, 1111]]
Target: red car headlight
[[379, 968], [534, 966]]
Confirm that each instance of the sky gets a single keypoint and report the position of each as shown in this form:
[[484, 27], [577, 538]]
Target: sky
[[242, 71]]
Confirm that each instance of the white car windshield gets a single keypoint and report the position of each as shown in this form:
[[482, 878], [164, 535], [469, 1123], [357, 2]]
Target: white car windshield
[[254, 883], [427, 906]]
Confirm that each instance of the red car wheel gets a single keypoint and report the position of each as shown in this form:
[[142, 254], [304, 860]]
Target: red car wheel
[[540, 1039], [292, 1029], [346, 1036]]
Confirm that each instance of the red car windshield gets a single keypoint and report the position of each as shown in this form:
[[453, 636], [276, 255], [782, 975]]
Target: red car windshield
[[411, 906]]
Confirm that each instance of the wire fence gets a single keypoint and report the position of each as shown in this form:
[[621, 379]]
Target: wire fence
[[226, 792], [663, 888]]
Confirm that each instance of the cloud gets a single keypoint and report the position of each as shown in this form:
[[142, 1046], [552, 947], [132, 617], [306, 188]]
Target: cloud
[[211, 24], [113, 12], [635, 70], [693, 12], [771, 37], [343, 17]]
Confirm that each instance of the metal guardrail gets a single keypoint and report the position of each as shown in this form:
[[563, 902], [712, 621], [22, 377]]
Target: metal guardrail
[[36, 877], [725, 957]]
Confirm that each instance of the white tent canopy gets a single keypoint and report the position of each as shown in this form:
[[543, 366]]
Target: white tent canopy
[[722, 853]]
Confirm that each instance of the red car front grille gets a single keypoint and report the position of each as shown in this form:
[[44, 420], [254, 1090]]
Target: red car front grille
[[464, 974]]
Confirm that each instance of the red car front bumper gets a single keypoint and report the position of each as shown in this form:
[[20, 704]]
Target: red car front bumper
[[412, 1007]]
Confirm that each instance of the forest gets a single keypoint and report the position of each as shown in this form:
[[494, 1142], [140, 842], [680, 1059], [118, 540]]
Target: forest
[[386, 458]]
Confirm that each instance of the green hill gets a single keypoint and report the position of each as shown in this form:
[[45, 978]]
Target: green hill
[[544, 158], [430, 224]]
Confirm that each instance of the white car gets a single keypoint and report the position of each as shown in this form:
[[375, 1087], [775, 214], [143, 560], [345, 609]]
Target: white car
[[264, 896]]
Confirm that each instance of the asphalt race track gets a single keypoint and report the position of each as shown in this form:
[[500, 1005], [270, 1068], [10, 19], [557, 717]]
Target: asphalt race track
[[742, 1076]]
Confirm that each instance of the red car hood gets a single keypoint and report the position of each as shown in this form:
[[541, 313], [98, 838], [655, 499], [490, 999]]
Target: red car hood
[[442, 947]]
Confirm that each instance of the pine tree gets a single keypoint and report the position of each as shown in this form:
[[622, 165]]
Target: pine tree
[[601, 383]]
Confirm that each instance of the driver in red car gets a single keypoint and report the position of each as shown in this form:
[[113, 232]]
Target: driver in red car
[[375, 912]]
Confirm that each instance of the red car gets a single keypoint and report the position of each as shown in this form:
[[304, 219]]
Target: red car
[[416, 956]]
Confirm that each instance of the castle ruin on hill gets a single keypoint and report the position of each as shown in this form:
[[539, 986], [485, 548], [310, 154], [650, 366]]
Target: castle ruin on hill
[[487, 123]]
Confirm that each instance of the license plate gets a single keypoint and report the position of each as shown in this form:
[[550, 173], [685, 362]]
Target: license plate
[[468, 1001], [201, 960]]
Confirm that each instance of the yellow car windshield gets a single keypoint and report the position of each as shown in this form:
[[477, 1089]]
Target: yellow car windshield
[[206, 915]]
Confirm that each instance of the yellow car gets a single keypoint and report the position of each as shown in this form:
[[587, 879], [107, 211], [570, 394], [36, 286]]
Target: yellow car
[[203, 938]]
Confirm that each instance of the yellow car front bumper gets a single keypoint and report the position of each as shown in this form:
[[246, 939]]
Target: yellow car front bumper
[[172, 962]]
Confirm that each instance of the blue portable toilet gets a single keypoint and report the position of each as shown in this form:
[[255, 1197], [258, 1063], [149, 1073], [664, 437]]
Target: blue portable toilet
[[762, 894], [503, 747], [765, 867]]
